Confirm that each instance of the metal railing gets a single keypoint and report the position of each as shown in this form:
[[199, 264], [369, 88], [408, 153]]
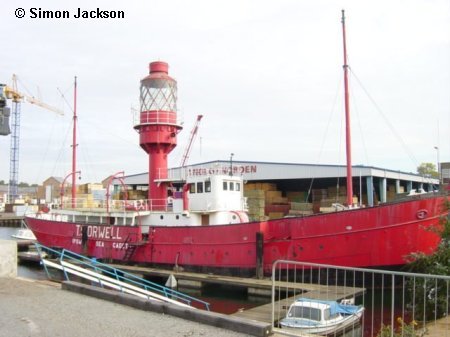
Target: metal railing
[[396, 303], [118, 205], [105, 275], [157, 117]]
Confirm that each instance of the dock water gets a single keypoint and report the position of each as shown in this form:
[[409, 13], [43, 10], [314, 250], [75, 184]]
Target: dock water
[[263, 313], [262, 287]]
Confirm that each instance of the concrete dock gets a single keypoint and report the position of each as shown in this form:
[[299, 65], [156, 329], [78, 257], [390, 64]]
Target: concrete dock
[[37, 308], [440, 328], [10, 220]]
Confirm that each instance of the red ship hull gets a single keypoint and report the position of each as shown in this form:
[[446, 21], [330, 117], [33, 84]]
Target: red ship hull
[[369, 237]]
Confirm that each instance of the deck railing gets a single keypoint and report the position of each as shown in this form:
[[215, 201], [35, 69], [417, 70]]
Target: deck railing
[[396, 303], [118, 205]]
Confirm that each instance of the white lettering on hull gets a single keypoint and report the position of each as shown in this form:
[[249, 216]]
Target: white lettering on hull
[[76, 241], [100, 232], [115, 245]]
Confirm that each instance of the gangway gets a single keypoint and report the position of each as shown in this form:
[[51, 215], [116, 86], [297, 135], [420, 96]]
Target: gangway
[[106, 276]]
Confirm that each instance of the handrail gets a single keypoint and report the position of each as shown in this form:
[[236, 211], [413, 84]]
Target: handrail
[[122, 277], [117, 205]]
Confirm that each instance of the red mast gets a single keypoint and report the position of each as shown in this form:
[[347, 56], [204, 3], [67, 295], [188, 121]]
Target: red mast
[[74, 144], [347, 121]]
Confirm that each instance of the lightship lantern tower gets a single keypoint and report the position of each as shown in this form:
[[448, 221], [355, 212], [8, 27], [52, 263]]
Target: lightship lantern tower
[[158, 127]]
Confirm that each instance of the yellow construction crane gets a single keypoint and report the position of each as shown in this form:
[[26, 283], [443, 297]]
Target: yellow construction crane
[[16, 97]]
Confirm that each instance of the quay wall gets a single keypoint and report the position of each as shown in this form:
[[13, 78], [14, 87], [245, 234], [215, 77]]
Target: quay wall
[[8, 258], [238, 324], [10, 220]]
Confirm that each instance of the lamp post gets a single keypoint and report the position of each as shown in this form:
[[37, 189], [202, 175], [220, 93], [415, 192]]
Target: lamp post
[[111, 178], [438, 168], [231, 164], [62, 187]]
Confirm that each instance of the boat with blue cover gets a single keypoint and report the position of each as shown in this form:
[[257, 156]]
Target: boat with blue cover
[[321, 317]]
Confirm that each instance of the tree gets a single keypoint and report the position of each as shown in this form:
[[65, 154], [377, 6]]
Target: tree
[[434, 294], [428, 169]]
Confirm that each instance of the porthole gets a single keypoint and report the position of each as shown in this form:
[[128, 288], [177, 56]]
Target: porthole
[[161, 217]]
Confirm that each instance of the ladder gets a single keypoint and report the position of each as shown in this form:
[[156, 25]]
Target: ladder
[[131, 248]]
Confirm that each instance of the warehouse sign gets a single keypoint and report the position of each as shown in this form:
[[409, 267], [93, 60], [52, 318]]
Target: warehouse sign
[[237, 170]]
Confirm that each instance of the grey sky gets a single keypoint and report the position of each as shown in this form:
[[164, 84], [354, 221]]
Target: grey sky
[[266, 75]]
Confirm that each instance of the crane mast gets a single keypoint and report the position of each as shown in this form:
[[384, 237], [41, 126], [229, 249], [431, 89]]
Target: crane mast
[[187, 151], [17, 98]]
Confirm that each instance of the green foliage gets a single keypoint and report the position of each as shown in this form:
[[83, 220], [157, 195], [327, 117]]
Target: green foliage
[[428, 169], [403, 330], [428, 298]]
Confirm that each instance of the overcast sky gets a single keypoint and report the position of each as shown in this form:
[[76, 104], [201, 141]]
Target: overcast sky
[[266, 75]]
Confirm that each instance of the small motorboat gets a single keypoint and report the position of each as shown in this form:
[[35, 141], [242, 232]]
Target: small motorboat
[[321, 317], [24, 234]]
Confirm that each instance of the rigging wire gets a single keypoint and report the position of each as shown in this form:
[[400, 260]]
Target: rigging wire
[[63, 144], [363, 139], [79, 132], [50, 138], [332, 111], [391, 127], [64, 97], [47, 149], [62, 148]]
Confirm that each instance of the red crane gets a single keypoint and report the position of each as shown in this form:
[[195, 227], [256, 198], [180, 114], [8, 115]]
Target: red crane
[[187, 151]]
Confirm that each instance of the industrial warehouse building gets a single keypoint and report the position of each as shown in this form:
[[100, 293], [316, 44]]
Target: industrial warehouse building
[[275, 190]]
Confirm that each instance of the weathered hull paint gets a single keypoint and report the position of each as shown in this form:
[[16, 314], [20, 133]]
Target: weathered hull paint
[[367, 237]]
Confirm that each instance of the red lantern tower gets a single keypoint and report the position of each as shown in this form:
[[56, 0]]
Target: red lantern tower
[[158, 127]]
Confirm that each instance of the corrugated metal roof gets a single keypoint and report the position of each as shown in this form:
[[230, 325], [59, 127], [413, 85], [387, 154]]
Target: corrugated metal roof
[[279, 171]]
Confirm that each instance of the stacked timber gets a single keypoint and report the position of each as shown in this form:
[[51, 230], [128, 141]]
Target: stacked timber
[[86, 201], [255, 203], [277, 206], [88, 188], [298, 203], [317, 195], [265, 201], [301, 208], [297, 196], [137, 195], [323, 199], [392, 192]]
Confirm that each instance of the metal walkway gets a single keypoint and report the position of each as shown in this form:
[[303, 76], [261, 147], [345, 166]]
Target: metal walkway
[[106, 276]]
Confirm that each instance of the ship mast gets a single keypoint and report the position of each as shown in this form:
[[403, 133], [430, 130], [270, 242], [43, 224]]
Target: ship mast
[[347, 121]]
